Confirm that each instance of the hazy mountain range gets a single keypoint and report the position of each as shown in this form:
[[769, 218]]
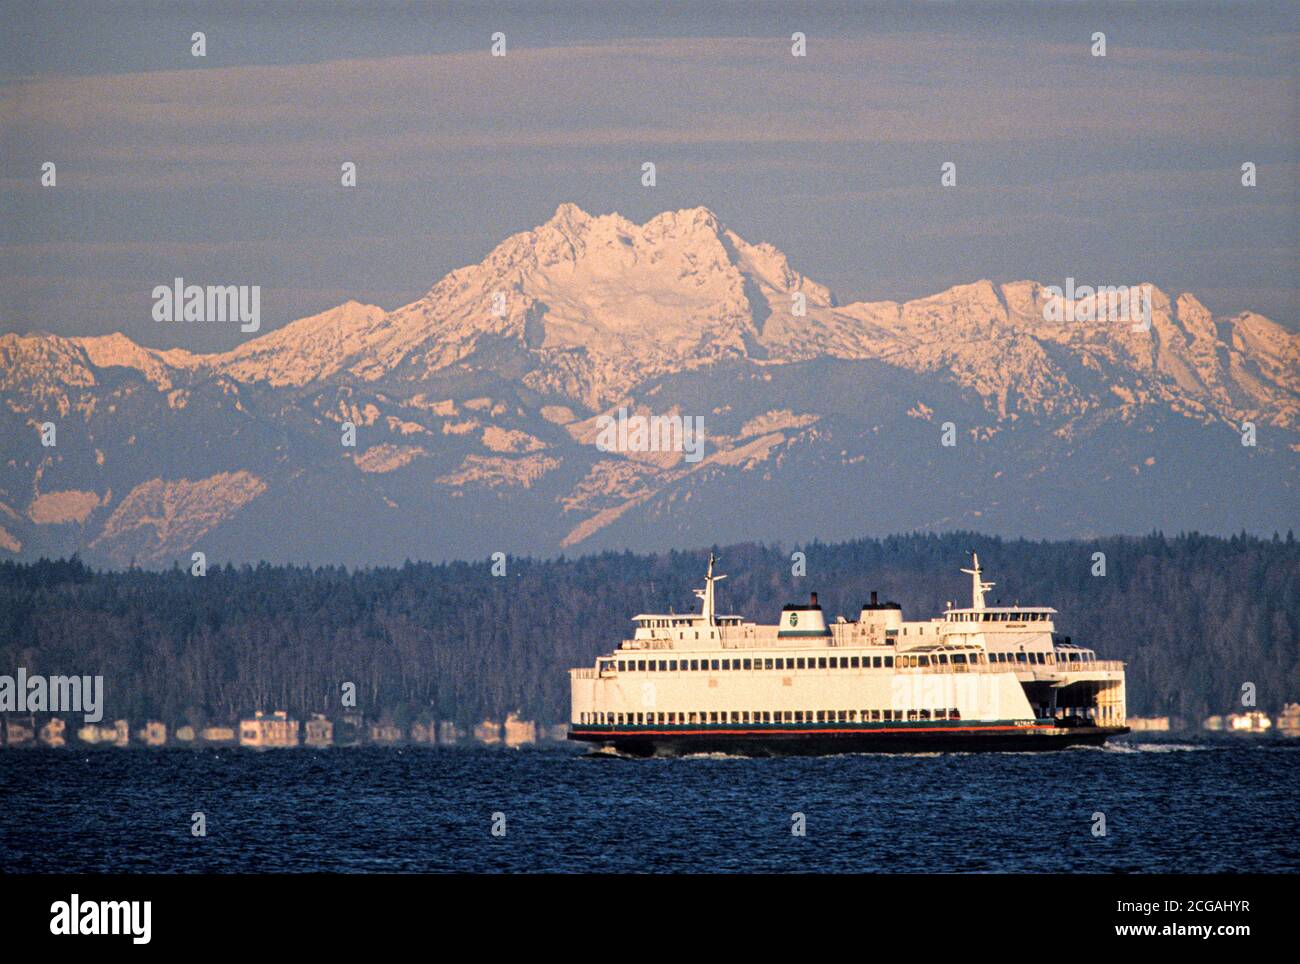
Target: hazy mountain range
[[476, 411]]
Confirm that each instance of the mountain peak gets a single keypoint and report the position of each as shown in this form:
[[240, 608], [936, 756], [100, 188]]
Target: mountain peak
[[569, 217]]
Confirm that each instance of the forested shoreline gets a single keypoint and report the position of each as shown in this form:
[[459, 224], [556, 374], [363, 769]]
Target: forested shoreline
[[1194, 616]]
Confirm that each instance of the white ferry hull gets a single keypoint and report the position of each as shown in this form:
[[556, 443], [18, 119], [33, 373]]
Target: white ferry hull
[[823, 740]]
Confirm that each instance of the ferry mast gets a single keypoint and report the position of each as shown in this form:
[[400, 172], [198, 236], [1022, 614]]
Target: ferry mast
[[707, 595], [978, 587]]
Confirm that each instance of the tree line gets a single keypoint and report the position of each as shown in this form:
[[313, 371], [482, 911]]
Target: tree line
[[1195, 617]]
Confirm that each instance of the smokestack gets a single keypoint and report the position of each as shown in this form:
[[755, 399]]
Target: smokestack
[[873, 597]]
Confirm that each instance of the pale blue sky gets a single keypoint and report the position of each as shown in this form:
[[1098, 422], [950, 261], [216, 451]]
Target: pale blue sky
[[226, 169]]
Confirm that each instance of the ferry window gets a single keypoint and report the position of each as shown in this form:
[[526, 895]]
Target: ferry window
[[925, 714], [943, 659], [744, 716], [959, 658], [799, 663], [672, 665], [640, 666], [875, 715], [767, 664], [735, 716], [853, 716], [748, 664], [889, 662], [767, 716], [940, 714], [716, 664], [821, 662], [697, 634], [853, 663], [1020, 658], [798, 716], [925, 660], [954, 715], [621, 666], [695, 664], [713, 716]]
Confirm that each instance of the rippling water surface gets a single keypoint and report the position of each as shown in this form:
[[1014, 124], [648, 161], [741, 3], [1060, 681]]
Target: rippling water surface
[[1194, 806]]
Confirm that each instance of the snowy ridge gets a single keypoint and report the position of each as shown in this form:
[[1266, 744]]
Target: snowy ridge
[[488, 387]]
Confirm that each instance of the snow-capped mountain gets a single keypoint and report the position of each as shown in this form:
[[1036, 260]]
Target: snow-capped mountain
[[476, 411]]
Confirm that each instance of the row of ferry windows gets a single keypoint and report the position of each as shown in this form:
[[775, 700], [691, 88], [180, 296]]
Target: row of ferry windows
[[768, 716], [983, 617], [726, 665], [840, 662], [788, 663]]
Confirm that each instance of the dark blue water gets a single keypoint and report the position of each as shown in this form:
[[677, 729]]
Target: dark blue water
[[1175, 807]]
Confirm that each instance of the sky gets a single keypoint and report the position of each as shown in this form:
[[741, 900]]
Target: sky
[[225, 169]]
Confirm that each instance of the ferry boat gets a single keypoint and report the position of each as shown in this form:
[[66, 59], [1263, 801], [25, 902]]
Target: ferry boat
[[976, 678]]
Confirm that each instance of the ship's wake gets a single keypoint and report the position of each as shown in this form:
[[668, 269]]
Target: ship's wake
[[1120, 747]]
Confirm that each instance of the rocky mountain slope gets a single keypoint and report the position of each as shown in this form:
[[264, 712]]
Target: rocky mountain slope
[[476, 411]]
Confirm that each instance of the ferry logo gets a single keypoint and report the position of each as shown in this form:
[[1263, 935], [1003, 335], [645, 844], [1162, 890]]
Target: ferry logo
[[107, 917]]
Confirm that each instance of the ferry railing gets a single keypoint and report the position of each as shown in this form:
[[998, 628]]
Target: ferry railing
[[1112, 665]]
